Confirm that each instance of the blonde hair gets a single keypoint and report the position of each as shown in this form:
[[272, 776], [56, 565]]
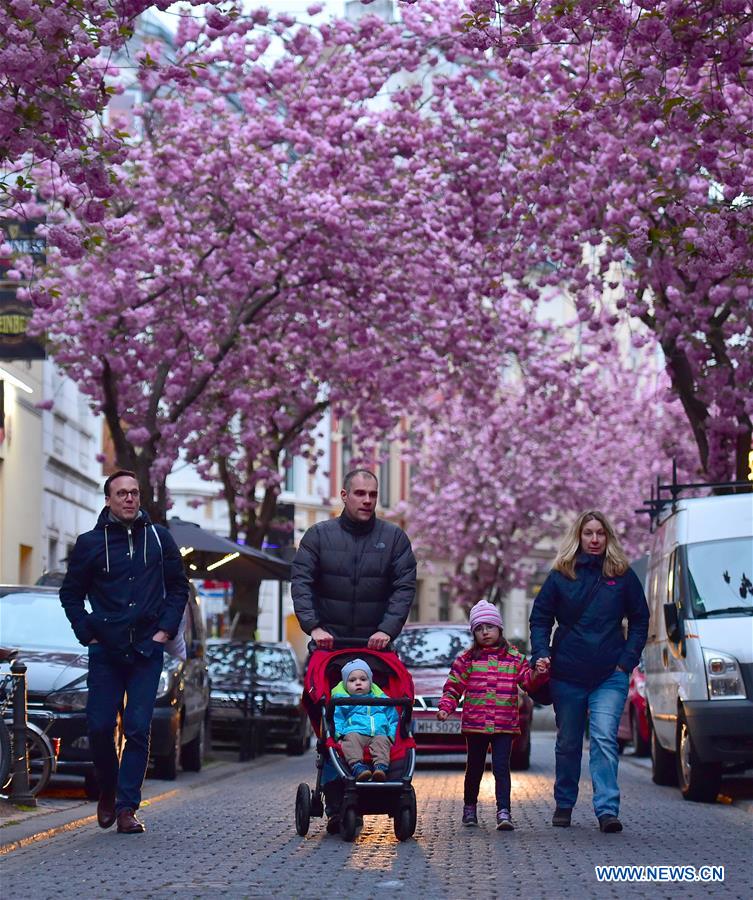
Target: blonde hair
[[615, 560]]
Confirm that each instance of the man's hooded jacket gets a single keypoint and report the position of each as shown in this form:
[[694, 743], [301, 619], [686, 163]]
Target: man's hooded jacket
[[134, 578], [354, 578]]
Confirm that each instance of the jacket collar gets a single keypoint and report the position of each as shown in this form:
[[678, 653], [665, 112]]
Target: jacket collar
[[107, 518], [353, 527], [590, 560]]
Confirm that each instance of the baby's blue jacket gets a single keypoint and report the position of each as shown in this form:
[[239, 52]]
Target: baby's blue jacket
[[364, 719]]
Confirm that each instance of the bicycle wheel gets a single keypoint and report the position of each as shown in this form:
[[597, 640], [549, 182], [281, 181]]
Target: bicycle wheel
[[40, 756], [5, 753]]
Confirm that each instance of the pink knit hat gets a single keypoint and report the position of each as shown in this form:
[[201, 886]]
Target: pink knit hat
[[484, 613]]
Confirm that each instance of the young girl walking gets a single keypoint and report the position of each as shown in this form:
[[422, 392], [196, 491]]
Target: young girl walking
[[488, 674]]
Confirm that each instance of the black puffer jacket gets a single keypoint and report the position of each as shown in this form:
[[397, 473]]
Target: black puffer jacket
[[354, 578], [120, 570]]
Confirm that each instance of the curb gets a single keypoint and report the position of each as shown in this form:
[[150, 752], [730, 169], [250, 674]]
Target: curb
[[15, 837]]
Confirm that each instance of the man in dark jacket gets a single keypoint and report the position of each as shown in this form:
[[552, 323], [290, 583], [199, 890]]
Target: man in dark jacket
[[354, 576], [133, 575]]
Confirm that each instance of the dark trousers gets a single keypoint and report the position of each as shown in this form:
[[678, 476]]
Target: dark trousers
[[115, 683], [478, 744]]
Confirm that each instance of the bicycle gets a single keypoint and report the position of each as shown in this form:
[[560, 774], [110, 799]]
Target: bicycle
[[40, 752]]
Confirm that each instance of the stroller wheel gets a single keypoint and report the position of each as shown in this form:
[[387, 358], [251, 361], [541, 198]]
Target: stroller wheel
[[348, 824], [303, 809], [405, 817]]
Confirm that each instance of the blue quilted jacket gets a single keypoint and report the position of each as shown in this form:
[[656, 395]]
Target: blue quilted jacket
[[364, 719]]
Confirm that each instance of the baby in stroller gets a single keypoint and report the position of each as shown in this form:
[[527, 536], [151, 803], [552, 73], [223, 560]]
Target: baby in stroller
[[360, 705], [359, 727]]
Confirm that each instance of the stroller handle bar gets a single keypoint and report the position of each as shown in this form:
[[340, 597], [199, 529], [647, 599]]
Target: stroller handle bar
[[345, 643]]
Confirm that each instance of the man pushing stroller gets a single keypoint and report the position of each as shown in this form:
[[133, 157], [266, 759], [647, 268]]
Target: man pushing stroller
[[355, 575]]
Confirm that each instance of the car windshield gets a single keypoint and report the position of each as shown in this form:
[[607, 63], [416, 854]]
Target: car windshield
[[239, 661], [275, 663], [35, 622], [719, 575], [428, 648]]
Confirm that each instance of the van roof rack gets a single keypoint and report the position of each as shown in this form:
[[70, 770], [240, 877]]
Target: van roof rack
[[664, 495]]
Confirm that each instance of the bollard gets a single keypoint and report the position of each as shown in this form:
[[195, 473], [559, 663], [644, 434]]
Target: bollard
[[20, 793]]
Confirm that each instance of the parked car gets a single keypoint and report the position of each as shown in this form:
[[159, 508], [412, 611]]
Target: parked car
[[428, 651], [32, 620], [633, 727], [699, 654], [257, 693]]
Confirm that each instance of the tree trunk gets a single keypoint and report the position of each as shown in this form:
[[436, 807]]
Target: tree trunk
[[244, 610]]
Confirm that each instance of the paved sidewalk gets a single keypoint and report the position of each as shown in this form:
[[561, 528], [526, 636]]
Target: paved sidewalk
[[235, 838], [52, 815]]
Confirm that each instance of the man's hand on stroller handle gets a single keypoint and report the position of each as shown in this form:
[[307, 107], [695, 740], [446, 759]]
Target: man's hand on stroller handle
[[323, 639], [326, 641], [378, 640]]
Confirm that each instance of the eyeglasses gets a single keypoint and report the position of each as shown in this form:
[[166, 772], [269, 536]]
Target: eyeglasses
[[135, 493]]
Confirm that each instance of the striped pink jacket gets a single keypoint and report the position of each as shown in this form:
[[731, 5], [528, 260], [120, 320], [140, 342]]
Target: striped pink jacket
[[490, 685]]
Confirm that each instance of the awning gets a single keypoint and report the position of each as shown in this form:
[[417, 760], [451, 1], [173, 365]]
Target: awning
[[208, 555]]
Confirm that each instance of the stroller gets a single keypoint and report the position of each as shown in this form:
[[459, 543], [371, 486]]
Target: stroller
[[336, 787]]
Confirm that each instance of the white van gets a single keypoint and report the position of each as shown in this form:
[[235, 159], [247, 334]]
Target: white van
[[699, 655]]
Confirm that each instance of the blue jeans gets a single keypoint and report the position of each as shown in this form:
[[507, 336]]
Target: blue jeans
[[129, 683], [603, 705], [478, 744]]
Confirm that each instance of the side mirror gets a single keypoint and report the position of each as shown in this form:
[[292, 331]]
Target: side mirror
[[197, 650], [672, 622]]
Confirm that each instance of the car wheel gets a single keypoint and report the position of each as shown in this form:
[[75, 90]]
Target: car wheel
[[520, 760], [192, 754], [166, 767], [640, 746], [663, 769], [698, 781], [91, 786], [299, 745]]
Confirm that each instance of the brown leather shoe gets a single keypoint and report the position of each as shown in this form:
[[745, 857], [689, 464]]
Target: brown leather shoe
[[128, 823], [106, 809]]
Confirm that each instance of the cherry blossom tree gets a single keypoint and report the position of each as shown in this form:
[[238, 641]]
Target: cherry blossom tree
[[497, 477], [643, 214]]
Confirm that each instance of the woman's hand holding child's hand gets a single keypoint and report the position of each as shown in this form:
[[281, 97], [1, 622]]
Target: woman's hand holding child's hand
[[442, 714], [542, 665]]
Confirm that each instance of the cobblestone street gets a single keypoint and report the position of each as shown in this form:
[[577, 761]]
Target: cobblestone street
[[236, 838]]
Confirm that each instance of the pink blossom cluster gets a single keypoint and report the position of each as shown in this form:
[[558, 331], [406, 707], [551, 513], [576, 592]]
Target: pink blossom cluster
[[501, 476], [55, 58], [558, 152]]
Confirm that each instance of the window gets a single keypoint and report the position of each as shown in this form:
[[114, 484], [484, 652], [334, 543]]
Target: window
[[355, 10], [443, 610], [415, 611], [52, 555], [288, 463], [346, 447], [25, 554], [384, 476]]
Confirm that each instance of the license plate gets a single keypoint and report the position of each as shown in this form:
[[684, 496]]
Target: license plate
[[434, 726]]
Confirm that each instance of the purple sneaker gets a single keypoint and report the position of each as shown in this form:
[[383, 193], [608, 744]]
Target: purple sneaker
[[469, 814], [504, 820]]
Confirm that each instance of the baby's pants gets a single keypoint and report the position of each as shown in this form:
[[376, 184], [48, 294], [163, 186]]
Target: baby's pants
[[354, 744]]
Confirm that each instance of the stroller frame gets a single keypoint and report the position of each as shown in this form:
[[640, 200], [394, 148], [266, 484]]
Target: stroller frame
[[394, 797]]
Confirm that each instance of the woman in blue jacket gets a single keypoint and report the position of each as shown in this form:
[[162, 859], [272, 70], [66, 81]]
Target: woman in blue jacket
[[589, 592], [360, 726]]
